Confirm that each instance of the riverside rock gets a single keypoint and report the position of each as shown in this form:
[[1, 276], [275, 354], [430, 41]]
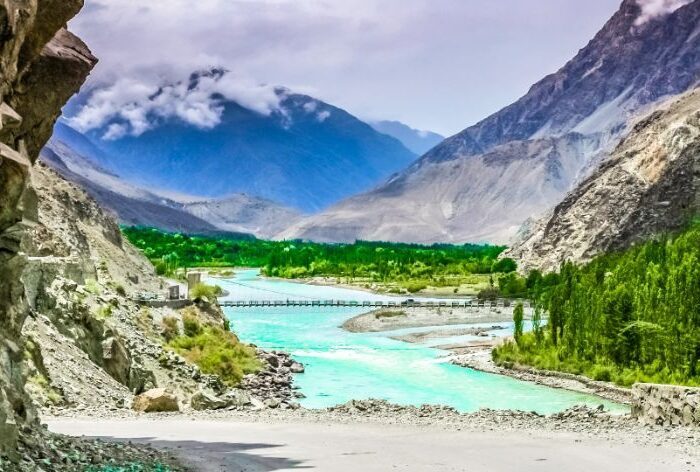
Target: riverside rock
[[155, 400]]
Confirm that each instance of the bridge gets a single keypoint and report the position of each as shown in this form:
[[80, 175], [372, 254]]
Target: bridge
[[371, 304]]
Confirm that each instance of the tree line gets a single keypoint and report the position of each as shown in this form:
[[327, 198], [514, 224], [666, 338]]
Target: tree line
[[380, 261], [627, 317]]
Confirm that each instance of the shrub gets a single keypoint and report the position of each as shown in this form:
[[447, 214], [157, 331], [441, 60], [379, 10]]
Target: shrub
[[206, 292], [489, 293], [120, 290], [217, 351], [415, 287], [191, 325], [170, 329]]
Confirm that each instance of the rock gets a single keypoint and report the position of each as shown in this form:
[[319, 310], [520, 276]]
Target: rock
[[296, 368], [154, 400], [141, 379], [116, 359], [237, 397], [272, 403], [203, 400]]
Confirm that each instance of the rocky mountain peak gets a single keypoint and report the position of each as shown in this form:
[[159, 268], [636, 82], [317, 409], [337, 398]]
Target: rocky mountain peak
[[626, 65]]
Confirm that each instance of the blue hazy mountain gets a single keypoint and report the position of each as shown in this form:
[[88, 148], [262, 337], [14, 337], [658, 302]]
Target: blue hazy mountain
[[418, 141], [307, 154]]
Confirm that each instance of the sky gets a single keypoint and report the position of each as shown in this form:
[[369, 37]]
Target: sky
[[438, 65]]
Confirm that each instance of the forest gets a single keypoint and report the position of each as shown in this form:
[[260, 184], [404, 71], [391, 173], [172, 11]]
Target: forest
[[626, 317], [377, 261]]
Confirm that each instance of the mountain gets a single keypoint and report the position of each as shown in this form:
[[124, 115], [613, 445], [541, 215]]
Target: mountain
[[417, 141], [305, 153], [134, 205], [484, 182], [649, 185]]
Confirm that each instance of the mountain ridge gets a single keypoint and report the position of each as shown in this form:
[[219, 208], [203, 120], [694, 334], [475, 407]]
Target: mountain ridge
[[307, 153], [594, 95]]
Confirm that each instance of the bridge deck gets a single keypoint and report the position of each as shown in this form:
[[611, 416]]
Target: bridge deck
[[371, 304]]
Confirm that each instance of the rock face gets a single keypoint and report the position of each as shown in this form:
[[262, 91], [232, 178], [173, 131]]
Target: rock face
[[41, 66], [483, 183], [650, 184], [155, 400], [666, 405]]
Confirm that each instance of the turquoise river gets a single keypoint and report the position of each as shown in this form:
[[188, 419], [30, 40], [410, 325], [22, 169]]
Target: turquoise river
[[341, 366]]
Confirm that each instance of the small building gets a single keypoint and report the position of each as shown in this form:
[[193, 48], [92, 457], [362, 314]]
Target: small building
[[174, 292], [193, 278]]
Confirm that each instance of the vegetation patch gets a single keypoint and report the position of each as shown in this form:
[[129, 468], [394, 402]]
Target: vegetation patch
[[214, 349], [627, 317], [402, 267]]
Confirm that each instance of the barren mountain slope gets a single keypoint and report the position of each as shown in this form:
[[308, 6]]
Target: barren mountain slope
[[626, 68], [650, 184], [133, 205]]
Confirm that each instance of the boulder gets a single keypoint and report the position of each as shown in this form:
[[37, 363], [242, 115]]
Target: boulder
[[204, 400], [237, 397], [296, 368], [156, 399], [141, 379], [116, 359]]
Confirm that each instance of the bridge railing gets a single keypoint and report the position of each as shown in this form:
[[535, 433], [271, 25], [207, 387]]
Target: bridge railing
[[474, 303]]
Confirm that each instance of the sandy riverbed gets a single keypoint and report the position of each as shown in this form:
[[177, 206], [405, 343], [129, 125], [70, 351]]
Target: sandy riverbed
[[417, 317]]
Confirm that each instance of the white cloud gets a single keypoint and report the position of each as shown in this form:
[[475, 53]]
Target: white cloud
[[132, 107], [425, 62], [323, 116], [655, 8]]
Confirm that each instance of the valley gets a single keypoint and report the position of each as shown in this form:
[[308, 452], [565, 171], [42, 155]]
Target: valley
[[223, 248]]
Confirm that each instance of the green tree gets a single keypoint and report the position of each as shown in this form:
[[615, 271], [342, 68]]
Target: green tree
[[518, 316]]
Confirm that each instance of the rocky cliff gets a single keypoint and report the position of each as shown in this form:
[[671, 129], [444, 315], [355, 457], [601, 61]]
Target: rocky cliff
[[484, 182], [42, 65], [649, 184]]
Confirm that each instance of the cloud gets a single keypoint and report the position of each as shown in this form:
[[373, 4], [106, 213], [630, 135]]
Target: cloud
[[133, 106], [323, 116], [429, 63], [655, 8]]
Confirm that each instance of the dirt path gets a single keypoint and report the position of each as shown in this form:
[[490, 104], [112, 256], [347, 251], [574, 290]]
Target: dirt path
[[235, 445]]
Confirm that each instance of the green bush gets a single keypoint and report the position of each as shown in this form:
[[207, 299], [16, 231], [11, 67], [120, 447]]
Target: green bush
[[170, 329], [206, 292], [416, 287], [217, 351], [191, 325]]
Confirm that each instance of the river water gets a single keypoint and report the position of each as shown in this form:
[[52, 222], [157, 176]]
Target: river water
[[341, 366]]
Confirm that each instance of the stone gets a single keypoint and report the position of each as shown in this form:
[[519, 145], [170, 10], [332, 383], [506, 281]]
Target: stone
[[141, 379], [155, 400], [297, 368], [272, 403], [116, 359], [203, 400]]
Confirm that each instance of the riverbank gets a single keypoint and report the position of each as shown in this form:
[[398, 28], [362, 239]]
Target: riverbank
[[377, 436], [475, 351], [418, 317]]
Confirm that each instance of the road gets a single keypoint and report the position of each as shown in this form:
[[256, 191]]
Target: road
[[215, 446]]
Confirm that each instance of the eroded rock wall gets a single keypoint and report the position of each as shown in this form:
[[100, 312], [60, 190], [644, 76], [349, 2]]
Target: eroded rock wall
[[650, 184], [41, 66], [667, 405]]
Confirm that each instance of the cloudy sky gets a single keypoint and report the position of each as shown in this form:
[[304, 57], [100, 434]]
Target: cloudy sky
[[434, 64]]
